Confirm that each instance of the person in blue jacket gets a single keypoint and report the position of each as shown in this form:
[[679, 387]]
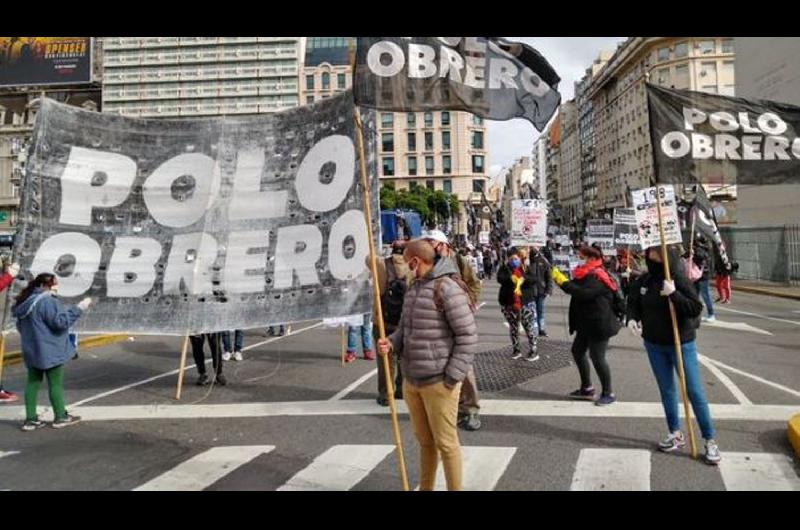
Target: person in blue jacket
[[43, 322]]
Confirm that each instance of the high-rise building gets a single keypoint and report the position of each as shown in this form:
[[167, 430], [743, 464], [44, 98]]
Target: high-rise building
[[553, 159], [619, 104], [200, 76], [569, 187], [539, 165]]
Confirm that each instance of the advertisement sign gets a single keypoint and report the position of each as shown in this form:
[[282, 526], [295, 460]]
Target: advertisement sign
[[45, 61]]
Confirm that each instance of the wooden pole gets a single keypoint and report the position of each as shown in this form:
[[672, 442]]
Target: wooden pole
[[2, 353], [344, 346], [182, 366], [691, 232], [676, 335]]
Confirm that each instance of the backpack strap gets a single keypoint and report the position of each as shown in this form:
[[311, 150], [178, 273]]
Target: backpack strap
[[438, 299], [391, 271]]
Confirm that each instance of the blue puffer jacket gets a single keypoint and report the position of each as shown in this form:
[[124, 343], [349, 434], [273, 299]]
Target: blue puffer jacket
[[43, 323]]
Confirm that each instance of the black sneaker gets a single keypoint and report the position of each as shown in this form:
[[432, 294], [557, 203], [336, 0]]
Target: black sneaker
[[471, 422], [398, 396], [32, 425], [382, 401], [66, 420], [542, 333], [202, 380], [220, 380], [583, 393], [516, 355]]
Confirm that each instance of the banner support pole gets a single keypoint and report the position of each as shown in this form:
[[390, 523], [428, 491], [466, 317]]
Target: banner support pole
[[182, 366], [343, 344], [675, 333]]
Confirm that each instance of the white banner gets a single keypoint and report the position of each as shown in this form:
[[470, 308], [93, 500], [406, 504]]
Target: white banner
[[528, 222], [644, 202]]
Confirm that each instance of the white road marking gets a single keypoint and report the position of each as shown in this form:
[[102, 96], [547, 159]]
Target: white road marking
[[352, 407], [188, 367], [796, 323], [339, 468], [753, 377], [201, 471], [8, 453], [358, 382], [725, 380], [612, 470], [758, 472], [737, 326], [482, 468]]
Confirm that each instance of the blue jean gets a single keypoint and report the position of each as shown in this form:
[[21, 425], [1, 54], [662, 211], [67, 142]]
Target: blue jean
[[662, 361], [238, 340], [705, 291], [540, 312], [366, 335]]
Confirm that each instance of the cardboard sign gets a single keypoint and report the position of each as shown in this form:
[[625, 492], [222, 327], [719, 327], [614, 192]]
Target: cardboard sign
[[647, 221], [528, 222]]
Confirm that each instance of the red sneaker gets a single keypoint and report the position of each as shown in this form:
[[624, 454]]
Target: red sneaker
[[8, 397], [349, 357], [369, 355]]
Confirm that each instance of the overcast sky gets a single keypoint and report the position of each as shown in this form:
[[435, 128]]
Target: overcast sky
[[570, 56]]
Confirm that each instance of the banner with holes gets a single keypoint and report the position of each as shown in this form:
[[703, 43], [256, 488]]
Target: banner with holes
[[199, 225]]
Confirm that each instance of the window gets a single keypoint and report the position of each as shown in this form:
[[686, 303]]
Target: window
[[387, 119], [411, 119], [429, 141], [727, 45], [477, 120], [662, 76], [412, 141], [309, 99], [340, 81], [387, 142], [477, 163], [477, 185], [326, 80], [706, 47], [663, 54], [726, 76], [429, 184], [681, 50], [429, 165], [429, 119], [412, 165], [682, 76], [446, 167], [388, 166], [309, 82], [446, 140], [445, 118], [708, 77], [447, 186], [477, 139]]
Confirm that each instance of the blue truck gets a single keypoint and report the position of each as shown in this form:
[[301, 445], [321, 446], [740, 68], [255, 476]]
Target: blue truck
[[399, 224]]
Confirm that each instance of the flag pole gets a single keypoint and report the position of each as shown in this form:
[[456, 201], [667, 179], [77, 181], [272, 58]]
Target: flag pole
[[182, 367], [373, 262], [343, 345], [675, 333]]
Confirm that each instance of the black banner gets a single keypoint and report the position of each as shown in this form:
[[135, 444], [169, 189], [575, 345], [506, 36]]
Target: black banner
[[706, 222], [699, 137], [487, 76]]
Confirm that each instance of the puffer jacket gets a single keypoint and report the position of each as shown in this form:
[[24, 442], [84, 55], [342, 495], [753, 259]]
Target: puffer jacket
[[435, 346], [43, 323]]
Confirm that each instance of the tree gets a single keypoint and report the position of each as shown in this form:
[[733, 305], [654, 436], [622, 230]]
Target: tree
[[432, 206]]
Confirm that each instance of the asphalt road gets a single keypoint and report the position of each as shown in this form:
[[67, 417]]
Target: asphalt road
[[293, 417]]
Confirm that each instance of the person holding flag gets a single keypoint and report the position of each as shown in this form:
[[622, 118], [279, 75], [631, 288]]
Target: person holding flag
[[648, 316]]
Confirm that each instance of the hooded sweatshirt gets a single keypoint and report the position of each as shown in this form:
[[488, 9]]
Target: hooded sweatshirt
[[43, 323], [646, 305], [435, 346]]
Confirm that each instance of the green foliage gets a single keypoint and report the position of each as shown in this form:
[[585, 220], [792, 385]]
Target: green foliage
[[431, 205]]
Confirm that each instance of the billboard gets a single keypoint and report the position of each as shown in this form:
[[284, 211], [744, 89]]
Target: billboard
[[45, 61]]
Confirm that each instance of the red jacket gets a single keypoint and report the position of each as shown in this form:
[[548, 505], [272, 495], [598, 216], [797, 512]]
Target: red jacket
[[5, 280]]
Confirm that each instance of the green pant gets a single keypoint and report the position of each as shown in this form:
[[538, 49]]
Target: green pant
[[55, 384]]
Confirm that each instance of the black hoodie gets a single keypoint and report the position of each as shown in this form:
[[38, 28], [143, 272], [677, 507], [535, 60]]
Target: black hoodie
[[646, 305]]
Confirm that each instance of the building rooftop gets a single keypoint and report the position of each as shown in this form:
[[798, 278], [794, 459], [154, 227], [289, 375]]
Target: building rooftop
[[331, 50]]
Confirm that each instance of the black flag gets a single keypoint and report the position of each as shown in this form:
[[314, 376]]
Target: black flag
[[706, 222], [699, 137], [488, 76]]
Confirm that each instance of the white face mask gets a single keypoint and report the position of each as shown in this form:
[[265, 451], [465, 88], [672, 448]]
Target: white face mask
[[54, 289]]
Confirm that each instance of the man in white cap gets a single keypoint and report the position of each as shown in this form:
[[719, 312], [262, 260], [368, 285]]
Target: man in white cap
[[468, 405]]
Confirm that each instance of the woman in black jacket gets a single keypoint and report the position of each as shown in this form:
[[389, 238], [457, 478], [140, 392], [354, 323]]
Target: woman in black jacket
[[648, 316], [517, 301], [592, 319]]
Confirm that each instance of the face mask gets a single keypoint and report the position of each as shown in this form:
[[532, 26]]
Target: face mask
[[54, 289], [515, 263]]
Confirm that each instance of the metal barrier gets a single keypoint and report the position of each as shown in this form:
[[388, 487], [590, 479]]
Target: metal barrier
[[765, 253]]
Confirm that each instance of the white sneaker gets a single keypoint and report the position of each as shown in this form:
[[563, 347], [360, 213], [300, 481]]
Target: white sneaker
[[237, 356], [712, 318], [226, 356]]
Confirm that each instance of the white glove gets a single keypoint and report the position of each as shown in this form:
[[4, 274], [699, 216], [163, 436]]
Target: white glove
[[84, 304], [668, 288], [635, 328], [13, 269]]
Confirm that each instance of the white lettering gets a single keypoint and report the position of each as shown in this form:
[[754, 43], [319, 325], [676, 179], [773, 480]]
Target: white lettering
[[451, 62], [180, 190], [692, 117], [297, 251], [532, 83], [725, 147], [191, 261], [723, 121], [378, 50], [675, 144], [347, 264], [771, 124], [132, 269], [502, 73], [775, 148], [76, 252], [701, 146], [246, 261], [750, 147], [744, 120], [475, 74], [326, 174], [421, 61], [248, 201]]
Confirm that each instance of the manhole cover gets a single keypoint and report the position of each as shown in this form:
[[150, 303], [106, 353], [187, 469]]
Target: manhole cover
[[496, 371]]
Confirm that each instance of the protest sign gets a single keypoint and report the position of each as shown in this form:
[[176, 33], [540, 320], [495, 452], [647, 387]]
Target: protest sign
[[647, 221], [528, 222]]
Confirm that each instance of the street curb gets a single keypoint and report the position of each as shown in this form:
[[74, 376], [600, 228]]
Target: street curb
[[767, 292], [95, 341], [794, 433]]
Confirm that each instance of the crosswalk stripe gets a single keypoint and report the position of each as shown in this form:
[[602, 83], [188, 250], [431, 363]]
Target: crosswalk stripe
[[482, 467], [758, 472], [612, 470], [339, 468], [201, 471], [8, 453]]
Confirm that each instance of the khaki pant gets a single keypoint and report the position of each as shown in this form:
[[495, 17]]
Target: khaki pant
[[433, 410], [468, 400]]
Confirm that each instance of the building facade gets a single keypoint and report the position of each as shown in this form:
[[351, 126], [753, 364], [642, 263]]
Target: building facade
[[553, 159], [539, 165], [619, 104], [326, 68], [519, 182], [200, 76], [569, 189]]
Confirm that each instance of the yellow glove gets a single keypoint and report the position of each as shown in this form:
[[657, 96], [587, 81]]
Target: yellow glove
[[517, 280], [558, 276]]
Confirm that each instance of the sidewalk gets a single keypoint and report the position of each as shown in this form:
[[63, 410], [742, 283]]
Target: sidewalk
[[767, 288]]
